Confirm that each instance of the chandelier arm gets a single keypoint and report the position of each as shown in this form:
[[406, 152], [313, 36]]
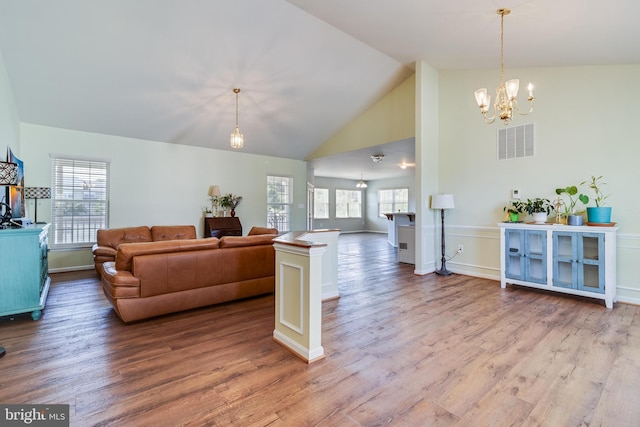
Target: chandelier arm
[[517, 107]]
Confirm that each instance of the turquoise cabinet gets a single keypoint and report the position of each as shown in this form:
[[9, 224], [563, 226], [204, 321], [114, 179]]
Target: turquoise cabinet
[[526, 255], [579, 261], [24, 270]]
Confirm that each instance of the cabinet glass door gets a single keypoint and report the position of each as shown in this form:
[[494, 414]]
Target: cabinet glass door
[[565, 273], [514, 248], [536, 256], [578, 261], [590, 258], [526, 255]]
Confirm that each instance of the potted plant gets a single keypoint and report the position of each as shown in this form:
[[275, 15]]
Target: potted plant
[[230, 201], [514, 209], [570, 209], [207, 212], [538, 208], [600, 214]]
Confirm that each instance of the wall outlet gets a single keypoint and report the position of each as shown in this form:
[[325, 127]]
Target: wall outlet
[[460, 249]]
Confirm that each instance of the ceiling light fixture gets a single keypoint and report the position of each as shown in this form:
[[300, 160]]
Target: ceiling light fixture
[[237, 140], [405, 165], [377, 158], [506, 93], [361, 183]]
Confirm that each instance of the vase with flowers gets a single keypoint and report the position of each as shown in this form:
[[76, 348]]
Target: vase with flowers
[[230, 201]]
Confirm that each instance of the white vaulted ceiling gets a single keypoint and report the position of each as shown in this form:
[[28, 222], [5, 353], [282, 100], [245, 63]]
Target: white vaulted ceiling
[[164, 70]]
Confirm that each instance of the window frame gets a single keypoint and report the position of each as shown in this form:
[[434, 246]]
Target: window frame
[[394, 203], [285, 208], [337, 204], [315, 203], [89, 196]]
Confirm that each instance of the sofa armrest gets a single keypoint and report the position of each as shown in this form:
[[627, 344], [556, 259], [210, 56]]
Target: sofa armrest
[[119, 284], [262, 230], [103, 251]]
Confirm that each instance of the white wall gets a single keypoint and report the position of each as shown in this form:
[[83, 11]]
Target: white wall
[[155, 183], [586, 125], [9, 125], [9, 120]]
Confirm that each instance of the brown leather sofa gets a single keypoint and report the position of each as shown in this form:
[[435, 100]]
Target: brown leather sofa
[[108, 241], [153, 278]]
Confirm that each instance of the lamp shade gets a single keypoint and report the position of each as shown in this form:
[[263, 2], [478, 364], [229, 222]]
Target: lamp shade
[[442, 201], [37, 193], [8, 173], [214, 190]]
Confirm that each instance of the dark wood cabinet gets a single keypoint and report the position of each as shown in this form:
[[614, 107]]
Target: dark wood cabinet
[[222, 226]]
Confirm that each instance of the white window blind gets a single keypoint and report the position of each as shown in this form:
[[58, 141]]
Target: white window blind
[[80, 200]]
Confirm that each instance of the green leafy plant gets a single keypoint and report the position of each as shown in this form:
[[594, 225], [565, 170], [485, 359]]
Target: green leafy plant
[[514, 207], [538, 205], [596, 185], [230, 201], [572, 191]]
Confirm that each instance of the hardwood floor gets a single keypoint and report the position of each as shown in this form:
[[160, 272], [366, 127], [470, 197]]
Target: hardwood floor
[[401, 349]]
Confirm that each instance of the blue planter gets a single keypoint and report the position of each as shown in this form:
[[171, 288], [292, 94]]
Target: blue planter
[[601, 215]]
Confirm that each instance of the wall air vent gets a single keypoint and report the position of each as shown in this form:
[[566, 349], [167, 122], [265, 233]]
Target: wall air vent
[[516, 142]]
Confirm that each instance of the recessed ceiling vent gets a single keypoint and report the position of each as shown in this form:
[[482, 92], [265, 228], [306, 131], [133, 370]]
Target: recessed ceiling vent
[[516, 142]]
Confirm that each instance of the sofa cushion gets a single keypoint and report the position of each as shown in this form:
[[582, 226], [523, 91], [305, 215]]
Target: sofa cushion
[[262, 230], [238, 241], [126, 252], [116, 236], [172, 232]]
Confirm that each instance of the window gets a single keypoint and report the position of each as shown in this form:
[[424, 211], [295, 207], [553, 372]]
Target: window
[[394, 200], [348, 204], [321, 203], [80, 201], [279, 202]]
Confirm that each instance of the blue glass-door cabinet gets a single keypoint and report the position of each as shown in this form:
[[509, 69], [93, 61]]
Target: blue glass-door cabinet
[[578, 260]]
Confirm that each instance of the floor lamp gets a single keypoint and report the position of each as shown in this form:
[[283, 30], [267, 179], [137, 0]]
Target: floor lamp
[[442, 202], [37, 193]]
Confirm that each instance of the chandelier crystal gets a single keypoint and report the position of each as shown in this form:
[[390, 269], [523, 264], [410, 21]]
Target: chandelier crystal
[[237, 140], [506, 94]]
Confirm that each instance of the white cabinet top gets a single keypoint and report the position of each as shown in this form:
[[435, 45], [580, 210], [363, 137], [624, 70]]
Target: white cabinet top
[[559, 227]]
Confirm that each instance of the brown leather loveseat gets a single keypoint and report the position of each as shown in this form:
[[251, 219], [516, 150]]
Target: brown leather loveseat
[[153, 278], [108, 241]]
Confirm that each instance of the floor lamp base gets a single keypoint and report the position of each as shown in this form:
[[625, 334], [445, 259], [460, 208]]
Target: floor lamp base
[[443, 272]]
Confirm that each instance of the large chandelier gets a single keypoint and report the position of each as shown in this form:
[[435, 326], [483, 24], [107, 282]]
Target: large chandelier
[[237, 140], [506, 102]]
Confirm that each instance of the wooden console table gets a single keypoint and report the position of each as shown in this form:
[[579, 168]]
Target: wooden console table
[[222, 226]]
